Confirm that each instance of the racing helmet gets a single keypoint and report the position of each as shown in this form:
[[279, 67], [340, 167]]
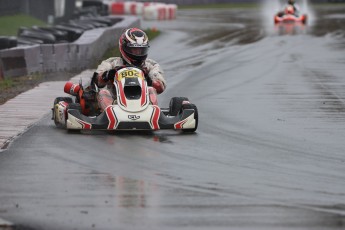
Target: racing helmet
[[289, 10], [134, 46]]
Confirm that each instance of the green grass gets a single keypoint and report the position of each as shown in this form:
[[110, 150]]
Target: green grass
[[18, 81], [9, 25], [219, 6], [152, 33], [6, 83]]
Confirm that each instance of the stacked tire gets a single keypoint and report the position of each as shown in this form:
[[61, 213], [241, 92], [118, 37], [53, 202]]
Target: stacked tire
[[7, 42]]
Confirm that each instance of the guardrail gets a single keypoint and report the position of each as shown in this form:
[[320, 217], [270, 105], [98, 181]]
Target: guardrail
[[78, 55]]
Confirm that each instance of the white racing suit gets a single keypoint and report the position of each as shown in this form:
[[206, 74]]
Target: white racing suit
[[106, 94]]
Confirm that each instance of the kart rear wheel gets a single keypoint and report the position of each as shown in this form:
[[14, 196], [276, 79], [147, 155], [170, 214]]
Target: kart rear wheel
[[65, 99], [56, 101], [75, 106], [196, 117], [175, 105]]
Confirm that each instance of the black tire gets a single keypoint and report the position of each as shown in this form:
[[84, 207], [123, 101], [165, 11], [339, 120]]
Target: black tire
[[4, 41], [75, 106], [56, 101], [22, 40], [196, 117], [13, 42], [7, 42], [66, 99], [59, 34], [45, 36], [175, 105], [72, 33]]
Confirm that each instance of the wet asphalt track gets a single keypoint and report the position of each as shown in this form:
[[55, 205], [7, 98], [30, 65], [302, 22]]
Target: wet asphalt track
[[269, 152]]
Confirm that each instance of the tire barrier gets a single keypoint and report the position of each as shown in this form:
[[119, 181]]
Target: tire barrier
[[82, 53], [148, 10], [7, 42], [63, 32], [101, 8]]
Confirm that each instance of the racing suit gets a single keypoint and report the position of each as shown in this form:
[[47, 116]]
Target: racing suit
[[106, 94]]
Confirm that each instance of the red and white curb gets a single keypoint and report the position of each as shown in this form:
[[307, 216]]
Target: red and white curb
[[148, 10]]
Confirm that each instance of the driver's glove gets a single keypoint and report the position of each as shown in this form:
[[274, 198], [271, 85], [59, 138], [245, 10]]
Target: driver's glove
[[108, 75]]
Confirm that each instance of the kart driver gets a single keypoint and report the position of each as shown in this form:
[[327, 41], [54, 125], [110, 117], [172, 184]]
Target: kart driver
[[294, 5], [133, 46]]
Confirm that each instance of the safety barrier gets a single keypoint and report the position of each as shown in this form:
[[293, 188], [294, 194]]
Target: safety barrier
[[148, 10], [78, 55]]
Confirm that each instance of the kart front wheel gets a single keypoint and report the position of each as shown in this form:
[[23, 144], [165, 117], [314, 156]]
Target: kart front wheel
[[74, 106], [196, 117], [175, 105]]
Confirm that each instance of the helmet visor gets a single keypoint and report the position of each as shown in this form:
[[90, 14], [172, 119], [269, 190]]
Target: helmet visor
[[136, 50]]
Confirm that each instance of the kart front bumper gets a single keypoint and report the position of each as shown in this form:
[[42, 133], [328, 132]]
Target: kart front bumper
[[114, 118]]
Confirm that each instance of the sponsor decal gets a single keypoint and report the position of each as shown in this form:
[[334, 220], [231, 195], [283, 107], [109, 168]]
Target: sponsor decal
[[84, 124], [143, 93], [63, 104], [155, 117], [72, 89], [111, 117], [179, 125], [129, 72], [133, 117], [123, 101]]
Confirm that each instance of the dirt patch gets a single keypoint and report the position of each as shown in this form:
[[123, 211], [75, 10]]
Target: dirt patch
[[10, 88]]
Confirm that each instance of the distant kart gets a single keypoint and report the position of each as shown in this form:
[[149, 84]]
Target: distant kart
[[134, 107], [289, 16]]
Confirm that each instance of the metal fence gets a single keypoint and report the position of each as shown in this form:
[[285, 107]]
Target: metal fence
[[8, 7]]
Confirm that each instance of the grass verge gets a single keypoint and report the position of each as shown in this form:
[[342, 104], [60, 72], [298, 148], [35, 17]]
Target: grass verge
[[9, 25], [9, 83], [10, 88]]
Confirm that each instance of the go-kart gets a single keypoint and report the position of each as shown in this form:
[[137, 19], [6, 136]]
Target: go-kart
[[289, 16], [133, 107]]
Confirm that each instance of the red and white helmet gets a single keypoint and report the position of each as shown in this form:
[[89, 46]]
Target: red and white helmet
[[289, 10], [134, 46]]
